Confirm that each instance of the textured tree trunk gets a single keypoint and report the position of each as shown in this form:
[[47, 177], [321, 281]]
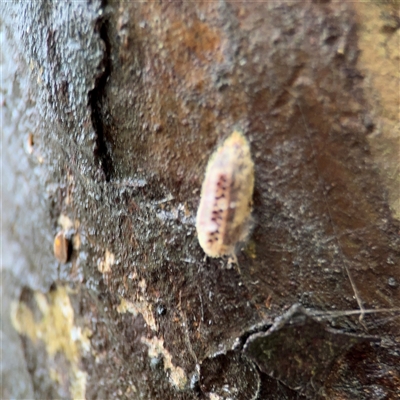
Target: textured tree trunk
[[110, 112]]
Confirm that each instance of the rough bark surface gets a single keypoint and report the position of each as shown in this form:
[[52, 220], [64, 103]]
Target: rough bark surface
[[110, 113]]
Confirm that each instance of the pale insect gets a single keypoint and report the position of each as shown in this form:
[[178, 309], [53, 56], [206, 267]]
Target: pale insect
[[223, 217]]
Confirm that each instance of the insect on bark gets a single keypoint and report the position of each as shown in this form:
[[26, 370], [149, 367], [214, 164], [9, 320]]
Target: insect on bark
[[224, 214]]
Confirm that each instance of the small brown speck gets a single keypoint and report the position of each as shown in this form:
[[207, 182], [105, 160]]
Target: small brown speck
[[61, 247], [30, 143]]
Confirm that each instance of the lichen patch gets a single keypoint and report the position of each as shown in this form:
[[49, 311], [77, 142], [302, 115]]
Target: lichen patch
[[139, 307], [57, 331], [156, 347]]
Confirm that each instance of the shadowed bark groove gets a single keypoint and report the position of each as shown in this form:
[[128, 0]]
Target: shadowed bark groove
[[96, 98]]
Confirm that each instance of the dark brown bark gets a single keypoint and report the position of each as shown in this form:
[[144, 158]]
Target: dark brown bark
[[110, 114]]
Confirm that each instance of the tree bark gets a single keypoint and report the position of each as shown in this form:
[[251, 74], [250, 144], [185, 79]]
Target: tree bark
[[111, 111]]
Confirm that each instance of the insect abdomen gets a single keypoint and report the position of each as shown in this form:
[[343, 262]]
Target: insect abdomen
[[225, 206]]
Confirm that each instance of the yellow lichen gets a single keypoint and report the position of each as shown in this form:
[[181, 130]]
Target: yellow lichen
[[379, 38], [177, 375], [104, 266], [57, 331], [65, 222], [139, 307], [156, 346]]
